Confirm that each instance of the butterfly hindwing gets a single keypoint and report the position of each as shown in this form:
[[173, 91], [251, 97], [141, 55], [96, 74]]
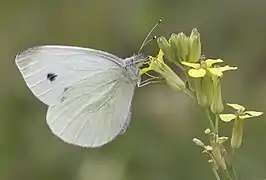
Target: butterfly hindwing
[[92, 115]]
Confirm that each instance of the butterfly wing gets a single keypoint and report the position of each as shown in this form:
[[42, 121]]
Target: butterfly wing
[[88, 92], [49, 70], [94, 111]]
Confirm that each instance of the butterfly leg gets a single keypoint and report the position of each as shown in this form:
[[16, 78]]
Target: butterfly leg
[[149, 81], [151, 76]]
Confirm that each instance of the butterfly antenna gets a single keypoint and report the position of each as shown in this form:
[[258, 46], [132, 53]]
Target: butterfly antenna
[[146, 41]]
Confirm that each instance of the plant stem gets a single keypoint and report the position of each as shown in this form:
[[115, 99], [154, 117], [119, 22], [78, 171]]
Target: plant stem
[[190, 94], [216, 123], [207, 112], [228, 174], [215, 173], [232, 162], [234, 173]]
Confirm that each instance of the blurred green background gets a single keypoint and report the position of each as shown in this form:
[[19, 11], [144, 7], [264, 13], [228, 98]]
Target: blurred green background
[[158, 144]]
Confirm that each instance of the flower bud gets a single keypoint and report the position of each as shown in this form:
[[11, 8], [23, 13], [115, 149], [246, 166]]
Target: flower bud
[[210, 161], [166, 48], [179, 44], [208, 148], [198, 142], [222, 140], [207, 131], [195, 46]]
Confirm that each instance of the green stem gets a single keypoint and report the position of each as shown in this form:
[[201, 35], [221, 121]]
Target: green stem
[[207, 112], [231, 164], [190, 94], [188, 80], [215, 173], [216, 123], [228, 174], [234, 173]]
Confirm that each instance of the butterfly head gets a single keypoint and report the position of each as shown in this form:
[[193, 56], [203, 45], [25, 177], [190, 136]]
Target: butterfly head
[[132, 66]]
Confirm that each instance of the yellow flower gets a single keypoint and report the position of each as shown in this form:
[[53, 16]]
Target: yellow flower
[[240, 114], [157, 64], [199, 70]]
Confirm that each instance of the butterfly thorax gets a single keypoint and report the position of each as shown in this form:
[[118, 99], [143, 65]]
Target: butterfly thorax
[[132, 68]]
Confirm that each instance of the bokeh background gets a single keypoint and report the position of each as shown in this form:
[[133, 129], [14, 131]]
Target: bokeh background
[[158, 144]]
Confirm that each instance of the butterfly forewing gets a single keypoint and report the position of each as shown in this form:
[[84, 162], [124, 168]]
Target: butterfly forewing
[[48, 70]]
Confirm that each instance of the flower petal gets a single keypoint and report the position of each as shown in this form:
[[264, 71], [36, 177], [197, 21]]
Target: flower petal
[[150, 67], [254, 113], [246, 116], [197, 73], [215, 71], [144, 70], [160, 56], [227, 117], [210, 62], [250, 114], [226, 68], [236, 106], [193, 65]]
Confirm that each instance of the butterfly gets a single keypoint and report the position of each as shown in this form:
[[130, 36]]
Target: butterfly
[[88, 91]]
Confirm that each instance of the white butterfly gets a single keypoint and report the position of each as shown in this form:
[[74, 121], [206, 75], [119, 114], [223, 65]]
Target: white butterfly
[[88, 91]]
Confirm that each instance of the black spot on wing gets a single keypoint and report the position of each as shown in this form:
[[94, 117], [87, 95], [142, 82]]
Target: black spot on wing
[[51, 76]]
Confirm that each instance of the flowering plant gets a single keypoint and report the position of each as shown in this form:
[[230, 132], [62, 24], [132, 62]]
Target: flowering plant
[[202, 83]]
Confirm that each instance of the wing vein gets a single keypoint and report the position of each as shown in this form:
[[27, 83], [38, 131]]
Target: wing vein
[[104, 103], [75, 98], [33, 73]]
